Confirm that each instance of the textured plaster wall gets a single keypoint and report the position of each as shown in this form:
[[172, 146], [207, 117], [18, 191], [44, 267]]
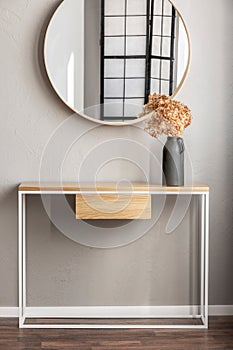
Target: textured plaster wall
[[30, 112]]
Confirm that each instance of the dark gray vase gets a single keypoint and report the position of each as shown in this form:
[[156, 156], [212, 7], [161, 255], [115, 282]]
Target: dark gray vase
[[173, 162]]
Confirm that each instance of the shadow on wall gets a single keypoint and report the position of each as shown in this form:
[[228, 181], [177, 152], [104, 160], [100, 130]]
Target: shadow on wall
[[39, 58]]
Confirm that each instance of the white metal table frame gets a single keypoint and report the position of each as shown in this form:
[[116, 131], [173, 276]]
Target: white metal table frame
[[204, 256]]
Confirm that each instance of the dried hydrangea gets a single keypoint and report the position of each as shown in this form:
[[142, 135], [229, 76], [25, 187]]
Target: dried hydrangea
[[169, 117]]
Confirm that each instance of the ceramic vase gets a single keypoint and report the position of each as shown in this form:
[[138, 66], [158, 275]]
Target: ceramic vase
[[173, 162]]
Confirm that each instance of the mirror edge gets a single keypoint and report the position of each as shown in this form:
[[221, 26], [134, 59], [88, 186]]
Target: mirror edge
[[137, 120], [189, 52]]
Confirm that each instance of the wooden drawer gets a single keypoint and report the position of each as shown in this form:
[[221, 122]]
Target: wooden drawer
[[113, 206]]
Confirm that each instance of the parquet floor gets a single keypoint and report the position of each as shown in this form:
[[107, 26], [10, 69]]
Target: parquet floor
[[218, 336]]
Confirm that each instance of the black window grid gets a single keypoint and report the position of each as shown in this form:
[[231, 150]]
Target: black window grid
[[148, 57]]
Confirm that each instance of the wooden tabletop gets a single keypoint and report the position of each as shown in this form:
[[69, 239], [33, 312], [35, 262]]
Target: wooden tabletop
[[109, 186]]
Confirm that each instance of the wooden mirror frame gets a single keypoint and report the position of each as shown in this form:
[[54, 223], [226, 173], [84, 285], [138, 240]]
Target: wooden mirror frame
[[137, 120]]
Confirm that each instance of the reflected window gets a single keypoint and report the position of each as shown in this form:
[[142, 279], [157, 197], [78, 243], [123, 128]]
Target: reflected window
[[138, 46]]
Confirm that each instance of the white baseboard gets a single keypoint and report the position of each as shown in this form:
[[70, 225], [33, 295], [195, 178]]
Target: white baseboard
[[113, 311], [221, 310], [117, 311], [9, 311]]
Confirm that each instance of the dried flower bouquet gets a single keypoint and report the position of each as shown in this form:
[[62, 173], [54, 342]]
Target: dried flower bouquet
[[169, 117]]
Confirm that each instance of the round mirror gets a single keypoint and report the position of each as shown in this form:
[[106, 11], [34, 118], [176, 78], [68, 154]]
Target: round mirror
[[104, 57]]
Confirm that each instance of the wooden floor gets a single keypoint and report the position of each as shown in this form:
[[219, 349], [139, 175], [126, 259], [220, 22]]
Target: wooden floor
[[218, 336]]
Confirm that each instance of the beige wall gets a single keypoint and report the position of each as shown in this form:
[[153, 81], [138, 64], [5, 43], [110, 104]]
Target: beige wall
[[30, 112]]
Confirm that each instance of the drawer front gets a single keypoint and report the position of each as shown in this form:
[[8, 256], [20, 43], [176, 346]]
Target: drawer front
[[113, 206]]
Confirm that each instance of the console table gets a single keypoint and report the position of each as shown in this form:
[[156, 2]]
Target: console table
[[137, 189]]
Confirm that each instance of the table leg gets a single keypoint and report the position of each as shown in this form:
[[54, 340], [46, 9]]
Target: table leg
[[21, 256], [202, 260], [206, 258]]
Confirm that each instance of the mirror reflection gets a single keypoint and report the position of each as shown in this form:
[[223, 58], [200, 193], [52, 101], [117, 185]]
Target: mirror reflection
[[104, 57]]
